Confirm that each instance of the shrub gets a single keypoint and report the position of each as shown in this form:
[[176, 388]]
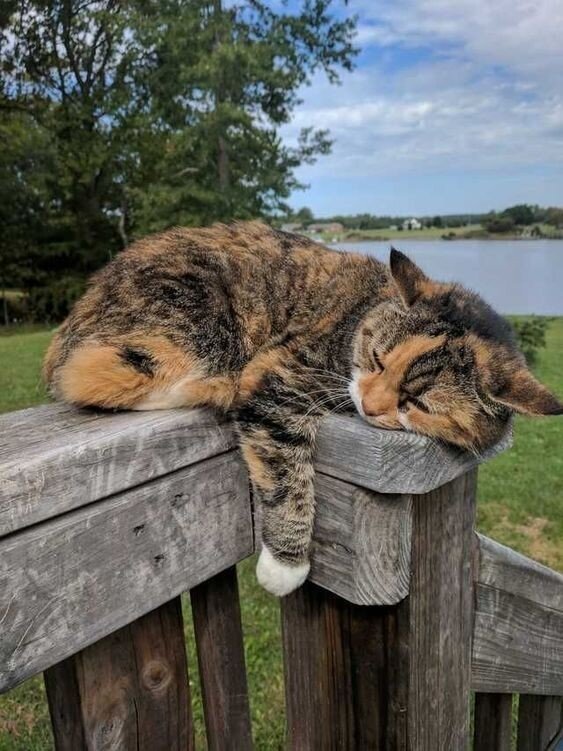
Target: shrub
[[53, 302], [530, 333]]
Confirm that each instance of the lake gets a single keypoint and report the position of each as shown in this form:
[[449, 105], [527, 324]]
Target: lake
[[522, 276]]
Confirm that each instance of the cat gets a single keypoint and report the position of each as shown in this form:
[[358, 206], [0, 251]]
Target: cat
[[277, 330]]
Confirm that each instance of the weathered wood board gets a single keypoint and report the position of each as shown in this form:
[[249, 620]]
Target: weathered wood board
[[361, 543], [68, 582], [56, 458], [391, 461], [128, 691], [518, 629]]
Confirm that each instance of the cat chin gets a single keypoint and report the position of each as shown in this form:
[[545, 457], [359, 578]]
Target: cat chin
[[279, 578]]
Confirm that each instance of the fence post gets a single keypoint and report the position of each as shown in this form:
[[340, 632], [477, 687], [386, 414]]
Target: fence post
[[390, 677], [128, 691]]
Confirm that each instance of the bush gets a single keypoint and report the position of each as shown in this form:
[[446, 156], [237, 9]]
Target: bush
[[530, 333], [52, 303], [500, 224]]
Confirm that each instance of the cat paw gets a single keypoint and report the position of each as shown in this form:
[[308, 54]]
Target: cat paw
[[279, 578]]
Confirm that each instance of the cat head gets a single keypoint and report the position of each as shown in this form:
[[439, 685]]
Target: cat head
[[437, 360]]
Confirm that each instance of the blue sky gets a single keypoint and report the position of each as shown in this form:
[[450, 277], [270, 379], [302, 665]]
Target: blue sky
[[454, 105]]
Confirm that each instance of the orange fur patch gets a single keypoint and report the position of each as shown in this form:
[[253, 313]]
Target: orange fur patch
[[380, 391], [96, 375], [270, 361], [258, 471]]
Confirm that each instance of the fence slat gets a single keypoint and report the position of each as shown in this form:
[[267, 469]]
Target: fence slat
[[220, 650], [129, 691], [493, 722], [336, 671], [540, 722], [440, 607]]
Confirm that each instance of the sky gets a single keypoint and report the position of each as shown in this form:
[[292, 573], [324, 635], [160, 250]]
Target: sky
[[454, 106]]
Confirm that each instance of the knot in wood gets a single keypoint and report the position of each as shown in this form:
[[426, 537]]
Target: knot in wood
[[156, 676]]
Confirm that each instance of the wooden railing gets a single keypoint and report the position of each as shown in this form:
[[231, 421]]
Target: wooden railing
[[106, 519]]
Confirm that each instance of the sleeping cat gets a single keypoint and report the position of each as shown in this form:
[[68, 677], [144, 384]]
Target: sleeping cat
[[278, 330]]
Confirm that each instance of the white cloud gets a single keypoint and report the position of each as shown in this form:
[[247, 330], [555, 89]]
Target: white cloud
[[484, 93]]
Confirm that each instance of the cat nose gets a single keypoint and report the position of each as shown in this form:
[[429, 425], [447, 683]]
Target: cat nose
[[372, 411]]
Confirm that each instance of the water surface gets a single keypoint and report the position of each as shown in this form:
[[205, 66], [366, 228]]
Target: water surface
[[522, 276]]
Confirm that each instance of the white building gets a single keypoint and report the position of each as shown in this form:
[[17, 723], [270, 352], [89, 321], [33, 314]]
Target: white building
[[412, 224]]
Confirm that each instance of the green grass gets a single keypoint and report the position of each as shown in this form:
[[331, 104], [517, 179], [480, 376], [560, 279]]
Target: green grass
[[520, 504]]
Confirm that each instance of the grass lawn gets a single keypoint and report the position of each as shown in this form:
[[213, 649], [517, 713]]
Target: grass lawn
[[520, 504]]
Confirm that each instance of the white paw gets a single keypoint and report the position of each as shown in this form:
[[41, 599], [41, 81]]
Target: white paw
[[279, 578]]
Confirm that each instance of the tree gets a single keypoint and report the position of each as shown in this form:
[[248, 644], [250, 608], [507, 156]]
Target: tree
[[522, 214], [305, 215], [165, 111], [437, 222]]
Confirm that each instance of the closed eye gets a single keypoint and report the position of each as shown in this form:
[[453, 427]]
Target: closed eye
[[417, 403]]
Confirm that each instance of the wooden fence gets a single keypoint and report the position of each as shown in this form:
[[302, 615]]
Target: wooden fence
[[106, 519]]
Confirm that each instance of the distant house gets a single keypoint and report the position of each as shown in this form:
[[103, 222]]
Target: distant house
[[319, 227], [292, 227], [412, 224]]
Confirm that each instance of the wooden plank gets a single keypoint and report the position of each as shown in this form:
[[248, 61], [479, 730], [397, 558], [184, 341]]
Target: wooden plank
[[390, 461], [361, 543], [440, 614], [56, 458], [505, 569], [68, 582], [341, 663], [129, 691], [493, 722], [540, 723], [220, 651], [517, 644]]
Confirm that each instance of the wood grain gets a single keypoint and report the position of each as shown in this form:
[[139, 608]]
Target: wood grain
[[391, 461], [540, 723], [361, 543], [341, 663], [129, 691], [220, 651], [56, 458], [493, 722], [517, 644], [440, 614], [505, 569], [68, 582]]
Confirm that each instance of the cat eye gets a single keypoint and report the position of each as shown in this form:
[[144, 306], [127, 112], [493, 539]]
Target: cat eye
[[417, 403], [378, 361]]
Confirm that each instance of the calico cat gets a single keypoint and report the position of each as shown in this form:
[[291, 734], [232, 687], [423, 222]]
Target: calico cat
[[277, 330]]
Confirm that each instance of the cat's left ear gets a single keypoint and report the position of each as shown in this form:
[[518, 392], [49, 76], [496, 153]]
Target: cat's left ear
[[524, 394], [410, 280]]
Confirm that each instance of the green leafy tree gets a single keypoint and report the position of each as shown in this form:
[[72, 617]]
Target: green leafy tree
[[155, 112], [522, 214]]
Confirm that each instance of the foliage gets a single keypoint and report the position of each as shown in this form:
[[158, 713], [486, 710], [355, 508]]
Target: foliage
[[499, 223], [120, 118], [522, 214], [530, 333]]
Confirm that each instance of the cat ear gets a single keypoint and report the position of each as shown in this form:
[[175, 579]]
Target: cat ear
[[523, 393], [408, 277]]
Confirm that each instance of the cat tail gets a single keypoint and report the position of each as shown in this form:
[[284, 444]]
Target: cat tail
[[131, 373]]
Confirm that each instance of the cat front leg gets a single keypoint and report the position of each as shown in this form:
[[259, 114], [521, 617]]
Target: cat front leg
[[277, 442]]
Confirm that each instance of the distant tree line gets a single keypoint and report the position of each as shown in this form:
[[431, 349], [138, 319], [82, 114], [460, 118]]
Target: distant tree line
[[118, 118], [521, 215]]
